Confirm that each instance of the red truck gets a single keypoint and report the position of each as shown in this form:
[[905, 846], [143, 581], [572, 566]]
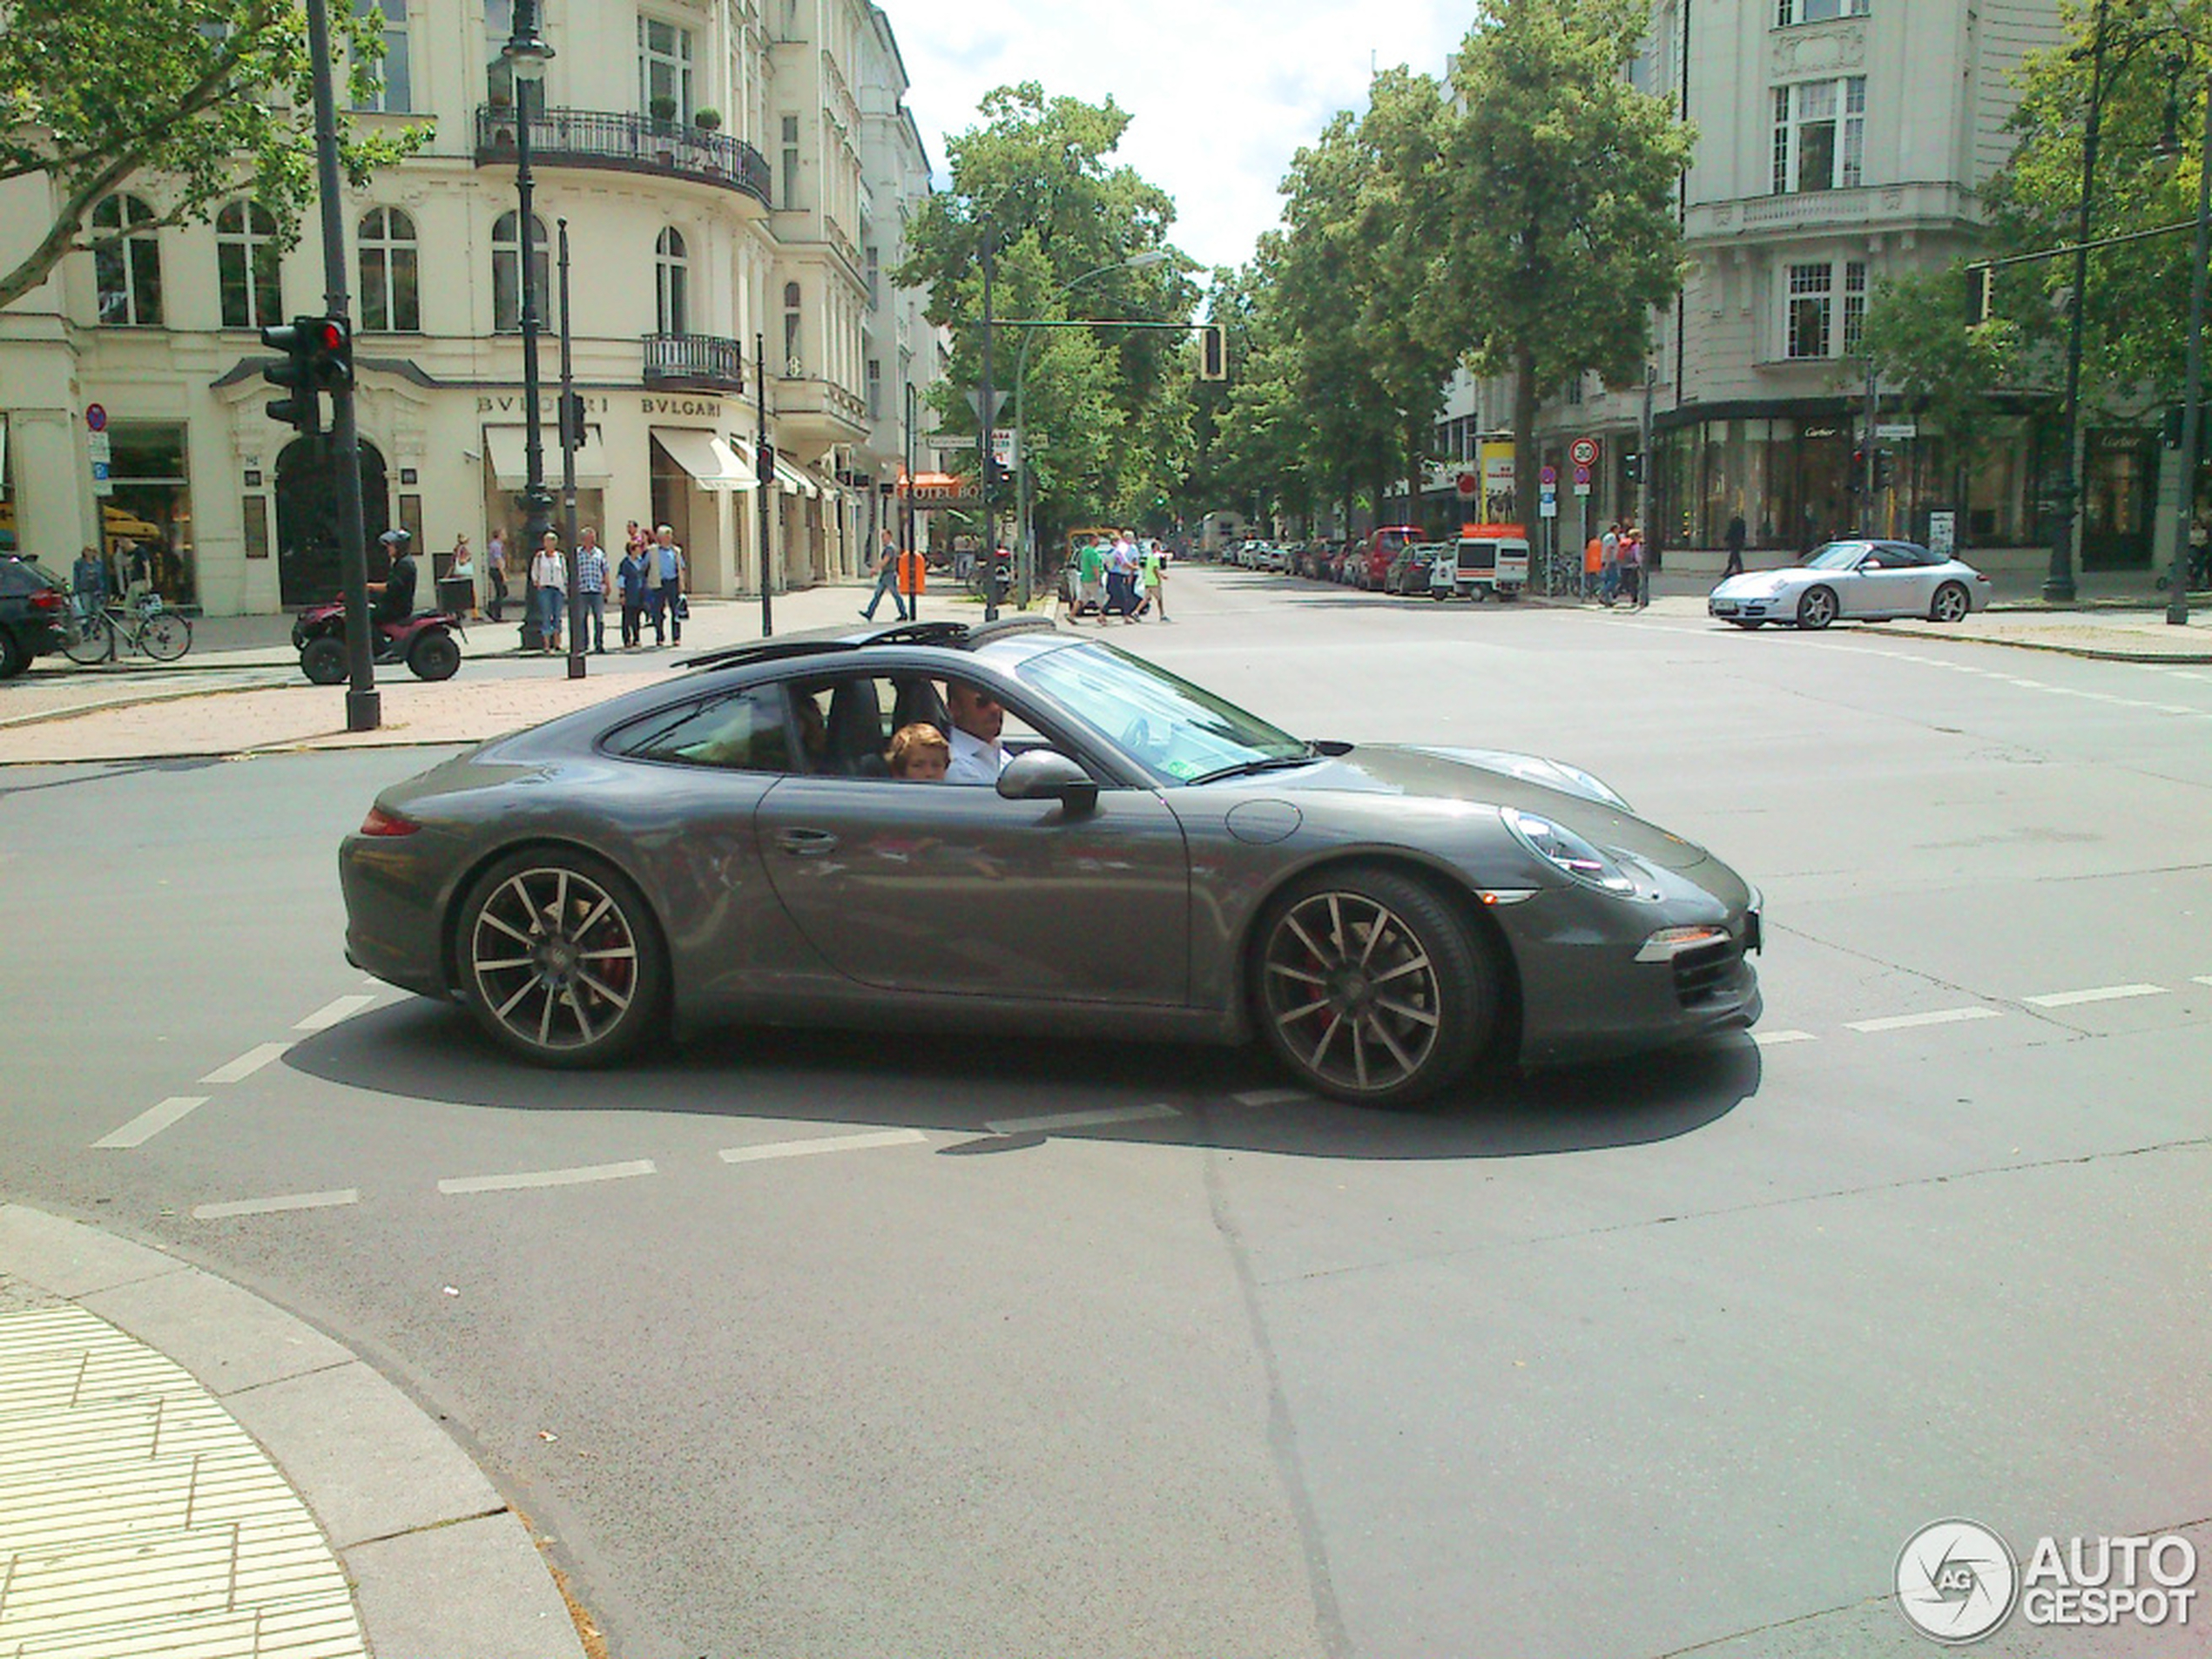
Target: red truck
[[1379, 549]]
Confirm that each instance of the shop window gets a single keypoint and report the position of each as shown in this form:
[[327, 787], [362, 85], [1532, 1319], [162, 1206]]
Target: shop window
[[665, 65], [506, 271], [247, 265], [1811, 295], [127, 263], [391, 297], [393, 83], [1819, 135], [150, 504], [672, 281], [1794, 11]]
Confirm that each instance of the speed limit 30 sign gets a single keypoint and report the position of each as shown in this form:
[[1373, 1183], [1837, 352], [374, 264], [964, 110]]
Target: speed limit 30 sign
[[1584, 452]]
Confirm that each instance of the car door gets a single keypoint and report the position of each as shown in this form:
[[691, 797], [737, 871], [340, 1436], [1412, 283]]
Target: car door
[[1887, 583], [951, 888]]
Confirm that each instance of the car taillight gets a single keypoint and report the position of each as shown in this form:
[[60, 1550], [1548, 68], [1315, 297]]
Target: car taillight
[[48, 599], [380, 822]]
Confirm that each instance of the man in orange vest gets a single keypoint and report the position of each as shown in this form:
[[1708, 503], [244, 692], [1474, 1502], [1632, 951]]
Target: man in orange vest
[[1593, 564]]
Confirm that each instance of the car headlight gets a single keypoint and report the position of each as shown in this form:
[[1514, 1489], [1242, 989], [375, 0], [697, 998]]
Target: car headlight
[[1569, 851]]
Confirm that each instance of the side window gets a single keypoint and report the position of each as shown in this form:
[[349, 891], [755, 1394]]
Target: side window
[[746, 731], [844, 724]]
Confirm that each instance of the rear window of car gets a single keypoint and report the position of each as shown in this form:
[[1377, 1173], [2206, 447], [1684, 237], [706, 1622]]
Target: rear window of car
[[20, 575], [745, 732]]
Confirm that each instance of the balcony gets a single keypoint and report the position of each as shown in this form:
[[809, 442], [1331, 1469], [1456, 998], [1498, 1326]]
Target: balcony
[[623, 143], [694, 362]]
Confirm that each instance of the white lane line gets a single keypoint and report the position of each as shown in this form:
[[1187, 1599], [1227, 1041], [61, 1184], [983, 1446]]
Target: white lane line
[[826, 1144], [2100, 993], [1273, 1097], [1941, 1016], [2203, 979], [334, 1013], [1078, 1120], [248, 1063], [153, 1121], [273, 1206], [576, 1177], [1773, 1039]]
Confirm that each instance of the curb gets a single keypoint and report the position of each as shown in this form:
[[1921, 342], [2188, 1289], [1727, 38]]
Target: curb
[[438, 1562]]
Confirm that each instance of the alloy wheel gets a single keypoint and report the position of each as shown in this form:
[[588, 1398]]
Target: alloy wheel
[[555, 962], [1352, 992]]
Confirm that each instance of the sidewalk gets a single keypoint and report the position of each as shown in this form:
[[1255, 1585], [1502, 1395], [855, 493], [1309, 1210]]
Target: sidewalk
[[188, 1472]]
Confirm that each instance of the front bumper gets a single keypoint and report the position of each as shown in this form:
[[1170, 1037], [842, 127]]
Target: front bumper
[[1768, 609]]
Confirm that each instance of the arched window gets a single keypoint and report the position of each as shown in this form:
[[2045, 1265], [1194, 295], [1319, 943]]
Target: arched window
[[795, 365], [672, 282], [506, 271], [391, 299], [247, 268], [126, 262]]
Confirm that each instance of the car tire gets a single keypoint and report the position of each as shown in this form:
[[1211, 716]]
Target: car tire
[[14, 657], [1818, 609], [560, 959], [434, 656], [1369, 989], [1951, 603], [323, 659]]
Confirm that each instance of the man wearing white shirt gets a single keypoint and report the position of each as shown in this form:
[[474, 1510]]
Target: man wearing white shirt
[[977, 721]]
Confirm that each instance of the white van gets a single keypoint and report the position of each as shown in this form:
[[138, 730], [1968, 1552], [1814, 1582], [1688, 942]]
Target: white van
[[1485, 559]]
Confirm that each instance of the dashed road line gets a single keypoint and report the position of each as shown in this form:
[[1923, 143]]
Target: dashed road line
[[575, 1177], [248, 1063], [2100, 993], [334, 1013], [1078, 1120], [152, 1122], [2202, 979], [273, 1206], [1273, 1097], [825, 1143], [1940, 1016], [1776, 1039]]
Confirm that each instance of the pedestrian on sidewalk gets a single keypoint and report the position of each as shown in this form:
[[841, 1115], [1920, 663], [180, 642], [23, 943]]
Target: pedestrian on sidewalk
[[88, 584], [1609, 563], [1153, 573], [668, 586], [462, 568], [634, 574], [1736, 534], [592, 584], [1593, 563], [549, 587], [496, 571], [1632, 581], [887, 581]]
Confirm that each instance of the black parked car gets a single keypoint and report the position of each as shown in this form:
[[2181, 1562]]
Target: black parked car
[[34, 609]]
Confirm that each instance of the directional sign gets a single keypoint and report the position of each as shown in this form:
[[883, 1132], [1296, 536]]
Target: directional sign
[[1890, 432], [1584, 452]]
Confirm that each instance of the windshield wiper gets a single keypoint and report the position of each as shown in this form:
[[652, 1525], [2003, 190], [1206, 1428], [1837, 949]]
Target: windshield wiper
[[1250, 768]]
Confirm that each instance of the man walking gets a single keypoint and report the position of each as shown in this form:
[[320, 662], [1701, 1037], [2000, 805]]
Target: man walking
[[549, 588], [887, 581], [1609, 560], [1735, 538], [668, 586], [592, 592], [1153, 573], [495, 567], [635, 575]]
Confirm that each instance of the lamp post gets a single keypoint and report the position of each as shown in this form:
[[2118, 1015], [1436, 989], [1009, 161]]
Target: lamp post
[[987, 410], [907, 495], [1024, 532], [2177, 602], [572, 435], [527, 54]]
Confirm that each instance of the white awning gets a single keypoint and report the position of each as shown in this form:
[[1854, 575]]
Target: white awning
[[795, 480], [503, 448], [712, 461]]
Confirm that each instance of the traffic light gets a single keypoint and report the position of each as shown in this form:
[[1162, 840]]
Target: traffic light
[[764, 464], [330, 342], [572, 420], [301, 406], [1858, 476], [1981, 294], [1213, 352], [1632, 468], [1884, 468]]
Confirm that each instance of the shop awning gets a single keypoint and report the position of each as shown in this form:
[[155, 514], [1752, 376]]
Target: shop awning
[[796, 481], [710, 460], [503, 450]]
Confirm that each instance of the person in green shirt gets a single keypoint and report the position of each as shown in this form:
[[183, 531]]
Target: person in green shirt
[[1091, 583], [1151, 581]]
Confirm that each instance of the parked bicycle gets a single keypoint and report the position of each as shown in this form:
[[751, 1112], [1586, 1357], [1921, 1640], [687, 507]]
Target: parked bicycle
[[151, 628]]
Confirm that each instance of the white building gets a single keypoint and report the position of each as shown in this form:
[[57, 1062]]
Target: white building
[[707, 161]]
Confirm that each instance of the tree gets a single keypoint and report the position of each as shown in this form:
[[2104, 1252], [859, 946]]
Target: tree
[[1558, 181], [203, 94], [1916, 331]]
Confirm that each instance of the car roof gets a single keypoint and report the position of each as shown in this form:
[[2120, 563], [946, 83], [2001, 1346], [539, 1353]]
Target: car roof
[[832, 642]]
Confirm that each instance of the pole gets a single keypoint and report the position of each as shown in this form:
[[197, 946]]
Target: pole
[[1643, 486], [907, 500], [2058, 586], [765, 486], [569, 439], [1867, 469], [536, 500], [2177, 600], [1025, 534], [363, 703], [986, 413]]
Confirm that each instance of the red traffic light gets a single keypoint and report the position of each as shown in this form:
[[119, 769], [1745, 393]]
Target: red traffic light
[[332, 334]]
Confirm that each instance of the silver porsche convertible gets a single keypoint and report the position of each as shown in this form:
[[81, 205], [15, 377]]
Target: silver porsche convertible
[[732, 847], [1853, 580]]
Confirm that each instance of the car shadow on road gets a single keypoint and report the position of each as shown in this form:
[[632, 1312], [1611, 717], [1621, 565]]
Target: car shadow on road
[[994, 1088]]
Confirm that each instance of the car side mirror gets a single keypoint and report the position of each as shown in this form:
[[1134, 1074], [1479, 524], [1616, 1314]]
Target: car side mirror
[[1046, 774]]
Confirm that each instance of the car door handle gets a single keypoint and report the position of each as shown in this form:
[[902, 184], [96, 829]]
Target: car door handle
[[806, 843]]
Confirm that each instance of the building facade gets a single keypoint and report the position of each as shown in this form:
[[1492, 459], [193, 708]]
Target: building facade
[[699, 162]]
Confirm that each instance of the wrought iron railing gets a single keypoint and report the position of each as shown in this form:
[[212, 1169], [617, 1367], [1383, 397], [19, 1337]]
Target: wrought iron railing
[[694, 360], [631, 143]]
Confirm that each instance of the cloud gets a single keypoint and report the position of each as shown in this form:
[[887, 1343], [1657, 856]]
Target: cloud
[[1223, 94]]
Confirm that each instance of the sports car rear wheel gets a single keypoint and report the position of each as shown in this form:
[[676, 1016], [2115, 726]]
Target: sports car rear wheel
[[1370, 988], [1818, 609], [560, 959], [1951, 605]]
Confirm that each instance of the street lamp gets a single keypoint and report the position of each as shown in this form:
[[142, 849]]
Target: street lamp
[[2169, 149], [1026, 532], [527, 54], [2058, 585]]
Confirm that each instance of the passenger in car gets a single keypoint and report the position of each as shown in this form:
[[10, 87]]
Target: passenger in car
[[919, 754]]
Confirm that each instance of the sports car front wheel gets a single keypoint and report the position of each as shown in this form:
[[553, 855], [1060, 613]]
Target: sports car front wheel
[[560, 959], [1370, 989]]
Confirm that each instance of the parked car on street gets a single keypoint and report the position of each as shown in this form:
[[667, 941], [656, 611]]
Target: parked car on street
[[1409, 570], [1153, 862], [1483, 560], [1853, 580], [34, 613], [1380, 548]]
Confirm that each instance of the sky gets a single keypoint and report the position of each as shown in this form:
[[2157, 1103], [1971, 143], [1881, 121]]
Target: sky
[[1222, 91]]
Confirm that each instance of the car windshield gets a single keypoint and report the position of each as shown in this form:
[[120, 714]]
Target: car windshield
[[1176, 731], [1838, 555]]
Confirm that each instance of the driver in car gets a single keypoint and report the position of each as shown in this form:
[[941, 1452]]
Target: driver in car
[[977, 721]]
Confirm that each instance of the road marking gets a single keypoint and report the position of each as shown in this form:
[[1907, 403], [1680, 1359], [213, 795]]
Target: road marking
[[1771, 1039], [2203, 979], [334, 1013], [153, 1121], [2102, 994], [1273, 1097], [272, 1206], [576, 1177], [246, 1064], [826, 1144], [1941, 1016], [2028, 685], [1078, 1120]]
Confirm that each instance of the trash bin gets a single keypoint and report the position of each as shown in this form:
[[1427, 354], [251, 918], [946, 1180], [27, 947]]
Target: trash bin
[[456, 594]]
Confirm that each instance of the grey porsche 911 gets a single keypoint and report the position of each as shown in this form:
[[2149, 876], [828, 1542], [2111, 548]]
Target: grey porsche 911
[[732, 847]]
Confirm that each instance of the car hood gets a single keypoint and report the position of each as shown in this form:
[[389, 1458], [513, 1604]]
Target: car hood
[[1756, 584]]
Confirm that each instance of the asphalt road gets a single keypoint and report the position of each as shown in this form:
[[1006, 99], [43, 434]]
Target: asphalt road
[[1658, 1358]]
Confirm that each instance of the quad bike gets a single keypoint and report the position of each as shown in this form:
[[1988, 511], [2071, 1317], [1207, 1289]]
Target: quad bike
[[424, 642]]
